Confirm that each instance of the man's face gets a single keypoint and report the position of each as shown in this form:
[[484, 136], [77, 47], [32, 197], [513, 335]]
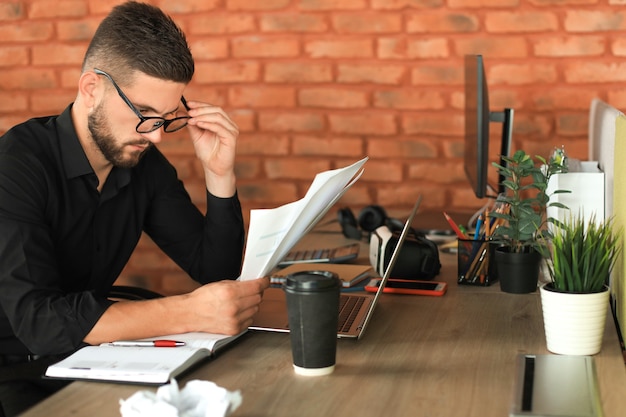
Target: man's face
[[123, 153], [112, 123]]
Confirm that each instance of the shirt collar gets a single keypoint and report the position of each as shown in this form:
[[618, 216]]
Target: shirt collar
[[74, 158]]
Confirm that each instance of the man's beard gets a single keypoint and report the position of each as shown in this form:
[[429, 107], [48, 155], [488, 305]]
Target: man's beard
[[104, 140]]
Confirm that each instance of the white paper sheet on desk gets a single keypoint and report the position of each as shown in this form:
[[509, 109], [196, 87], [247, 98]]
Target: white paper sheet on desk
[[273, 232]]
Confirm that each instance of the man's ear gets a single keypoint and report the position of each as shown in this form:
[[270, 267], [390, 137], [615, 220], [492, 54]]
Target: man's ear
[[89, 88]]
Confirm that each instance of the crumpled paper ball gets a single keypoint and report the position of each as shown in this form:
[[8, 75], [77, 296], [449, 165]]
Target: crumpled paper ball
[[197, 399]]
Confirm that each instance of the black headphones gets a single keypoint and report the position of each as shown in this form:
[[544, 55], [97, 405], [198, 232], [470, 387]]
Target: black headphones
[[370, 219]]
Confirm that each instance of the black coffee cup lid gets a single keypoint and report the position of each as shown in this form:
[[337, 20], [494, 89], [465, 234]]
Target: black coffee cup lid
[[312, 281]]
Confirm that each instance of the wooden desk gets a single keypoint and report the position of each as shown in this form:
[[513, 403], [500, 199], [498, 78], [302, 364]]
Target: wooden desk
[[421, 356]]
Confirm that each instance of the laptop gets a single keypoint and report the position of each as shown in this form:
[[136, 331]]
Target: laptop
[[355, 310]]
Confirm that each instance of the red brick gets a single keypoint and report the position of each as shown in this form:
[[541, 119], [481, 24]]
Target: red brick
[[26, 32], [227, 72], [570, 46], [368, 123], [12, 10], [492, 46], [217, 23], [482, 4], [433, 124], [290, 122], [27, 78], [215, 95], [441, 21], [574, 124], [256, 5], [462, 197], [288, 22], [332, 98], [618, 46], [500, 98], [522, 74], [512, 22], [188, 6], [446, 172], [377, 74], [383, 171], [102, 7], [263, 144], [329, 48], [209, 49], [52, 102], [58, 54], [408, 148], [409, 99], [245, 119], [404, 4], [403, 48], [261, 96], [532, 126], [595, 72], [594, 21], [267, 194], [570, 2], [295, 168], [431, 48], [264, 47], [617, 98], [367, 22], [80, 30], [52, 8], [11, 56], [331, 5], [322, 146], [11, 101], [298, 72], [247, 168], [438, 74], [404, 195], [563, 98]]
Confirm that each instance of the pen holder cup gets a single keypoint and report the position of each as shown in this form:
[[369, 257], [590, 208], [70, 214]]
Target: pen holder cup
[[476, 262]]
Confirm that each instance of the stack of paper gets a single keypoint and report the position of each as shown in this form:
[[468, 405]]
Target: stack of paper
[[273, 232]]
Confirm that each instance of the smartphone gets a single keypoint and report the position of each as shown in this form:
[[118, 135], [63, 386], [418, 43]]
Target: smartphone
[[403, 286]]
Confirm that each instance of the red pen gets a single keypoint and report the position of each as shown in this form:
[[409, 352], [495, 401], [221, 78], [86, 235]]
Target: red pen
[[454, 226], [147, 343]]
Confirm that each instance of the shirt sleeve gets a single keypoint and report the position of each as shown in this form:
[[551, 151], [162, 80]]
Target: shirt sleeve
[[42, 315], [208, 247]]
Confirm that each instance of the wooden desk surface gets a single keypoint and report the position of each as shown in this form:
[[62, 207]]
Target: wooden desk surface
[[421, 356]]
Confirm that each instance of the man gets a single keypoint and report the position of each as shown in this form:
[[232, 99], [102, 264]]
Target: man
[[78, 189]]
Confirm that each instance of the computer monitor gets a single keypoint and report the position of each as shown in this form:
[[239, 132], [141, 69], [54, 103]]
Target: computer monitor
[[477, 119]]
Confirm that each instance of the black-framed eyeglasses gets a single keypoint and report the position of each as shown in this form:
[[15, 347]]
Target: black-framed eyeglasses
[[150, 124]]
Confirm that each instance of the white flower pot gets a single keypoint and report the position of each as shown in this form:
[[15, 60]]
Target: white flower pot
[[574, 323]]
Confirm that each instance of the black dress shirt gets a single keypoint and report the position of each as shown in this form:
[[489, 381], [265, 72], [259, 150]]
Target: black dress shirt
[[63, 243]]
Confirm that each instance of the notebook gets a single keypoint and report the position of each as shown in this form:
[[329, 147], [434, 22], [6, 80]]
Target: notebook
[[355, 310], [139, 364]]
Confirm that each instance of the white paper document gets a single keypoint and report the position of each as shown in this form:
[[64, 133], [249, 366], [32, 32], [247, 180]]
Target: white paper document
[[273, 232]]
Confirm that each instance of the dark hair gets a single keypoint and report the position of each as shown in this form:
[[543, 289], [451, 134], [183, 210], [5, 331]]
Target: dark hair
[[140, 37]]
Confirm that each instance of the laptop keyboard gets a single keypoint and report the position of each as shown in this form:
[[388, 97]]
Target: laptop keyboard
[[349, 307]]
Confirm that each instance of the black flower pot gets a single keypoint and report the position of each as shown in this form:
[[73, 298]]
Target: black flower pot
[[518, 273]]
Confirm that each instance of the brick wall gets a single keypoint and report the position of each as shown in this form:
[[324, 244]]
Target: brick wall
[[317, 84]]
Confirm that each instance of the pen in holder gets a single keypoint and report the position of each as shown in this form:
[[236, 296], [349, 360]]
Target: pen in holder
[[476, 264]]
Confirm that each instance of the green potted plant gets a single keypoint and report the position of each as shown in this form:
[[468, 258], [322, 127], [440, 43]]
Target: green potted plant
[[574, 303], [522, 233]]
